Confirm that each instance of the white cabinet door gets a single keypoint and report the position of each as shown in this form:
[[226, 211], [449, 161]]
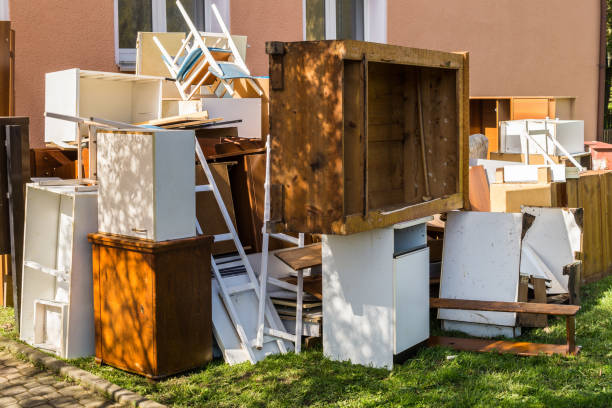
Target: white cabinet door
[[411, 299]]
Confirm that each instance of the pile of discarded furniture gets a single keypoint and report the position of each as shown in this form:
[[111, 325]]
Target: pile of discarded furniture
[[193, 207]]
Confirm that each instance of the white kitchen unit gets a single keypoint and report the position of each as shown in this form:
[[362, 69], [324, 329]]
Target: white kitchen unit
[[57, 298], [569, 133], [246, 109], [480, 261], [376, 293], [108, 95], [147, 184]]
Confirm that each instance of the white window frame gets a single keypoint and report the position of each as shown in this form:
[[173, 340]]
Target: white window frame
[[125, 58], [374, 20]]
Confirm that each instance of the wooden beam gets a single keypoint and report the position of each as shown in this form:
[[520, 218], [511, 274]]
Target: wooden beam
[[515, 307], [520, 348]]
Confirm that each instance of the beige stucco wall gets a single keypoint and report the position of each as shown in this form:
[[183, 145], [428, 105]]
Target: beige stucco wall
[[517, 47], [265, 20], [56, 35]]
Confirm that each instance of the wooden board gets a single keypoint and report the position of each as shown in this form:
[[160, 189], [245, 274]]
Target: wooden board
[[497, 306], [301, 258], [480, 199], [356, 162], [520, 348], [508, 197], [6, 281]]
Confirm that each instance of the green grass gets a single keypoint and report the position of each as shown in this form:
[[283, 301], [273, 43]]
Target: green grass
[[428, 379]]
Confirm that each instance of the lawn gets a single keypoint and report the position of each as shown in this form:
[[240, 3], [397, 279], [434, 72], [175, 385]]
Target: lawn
[[430, 378]]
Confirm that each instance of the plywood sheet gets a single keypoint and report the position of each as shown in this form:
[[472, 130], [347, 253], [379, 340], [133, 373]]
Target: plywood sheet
[[481, 261]]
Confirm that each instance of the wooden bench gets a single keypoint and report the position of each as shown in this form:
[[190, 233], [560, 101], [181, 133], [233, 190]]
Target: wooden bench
[[520, 348]]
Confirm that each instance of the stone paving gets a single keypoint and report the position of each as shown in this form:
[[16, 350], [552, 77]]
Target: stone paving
[[24, 385]]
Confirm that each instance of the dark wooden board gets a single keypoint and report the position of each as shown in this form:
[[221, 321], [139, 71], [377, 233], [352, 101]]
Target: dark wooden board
[[520, 348], [516, 307]]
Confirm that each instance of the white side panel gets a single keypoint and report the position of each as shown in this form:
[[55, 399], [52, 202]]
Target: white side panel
[[481, 330], [491, 166], [126, 184], [553, 236], [247, 109], [80, 340], [61, 96], [480, 261], [174, 185], [358, 293], [411, 299], [529, 173], [570, 133]]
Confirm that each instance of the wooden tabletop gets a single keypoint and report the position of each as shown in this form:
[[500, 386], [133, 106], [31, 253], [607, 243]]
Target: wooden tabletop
[[301, 258]]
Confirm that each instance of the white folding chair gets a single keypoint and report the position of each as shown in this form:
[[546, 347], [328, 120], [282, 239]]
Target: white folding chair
[[196, 65]]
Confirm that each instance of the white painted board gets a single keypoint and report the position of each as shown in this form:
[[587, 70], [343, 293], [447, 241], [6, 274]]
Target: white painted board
[[554, 237], [529, 173], [569, 133], [491, 166], [246, 109], [480, 261]]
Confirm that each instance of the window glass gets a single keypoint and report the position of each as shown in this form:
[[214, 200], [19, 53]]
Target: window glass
[[349, 19], [174, 19], [315, 20], [134, 16]]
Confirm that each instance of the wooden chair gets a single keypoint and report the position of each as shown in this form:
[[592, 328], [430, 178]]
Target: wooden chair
[[519, 348]]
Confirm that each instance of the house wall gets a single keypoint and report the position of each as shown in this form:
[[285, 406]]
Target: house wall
[[529, 48], [56, 36], [263, 20]]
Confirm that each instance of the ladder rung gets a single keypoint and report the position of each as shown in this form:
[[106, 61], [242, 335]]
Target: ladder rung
[[240, 288], [223, 237], [538, 132], [202, 188], [279, 334], [266, 339], [228, 265]]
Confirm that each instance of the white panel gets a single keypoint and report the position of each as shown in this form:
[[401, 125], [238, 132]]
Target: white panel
[[174, 185], [105, 99], [247, 109], [4, 10], [358, 293], [61, 96], [146, 101], [481, 262], [553, 236], [481, 330], [411, 299], [126, 185], [491, 166], [570, 133], [529, 173]]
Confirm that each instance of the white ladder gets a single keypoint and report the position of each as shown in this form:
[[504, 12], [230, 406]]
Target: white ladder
[[263, 275], [275, 332]]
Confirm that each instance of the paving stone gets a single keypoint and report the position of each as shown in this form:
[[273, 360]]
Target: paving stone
[[5, 400], [41, 390], [32, 401], [13, 390]]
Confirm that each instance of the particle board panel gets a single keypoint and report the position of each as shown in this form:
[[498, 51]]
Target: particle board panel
[[509, 197], [474, 269], [480, 199]]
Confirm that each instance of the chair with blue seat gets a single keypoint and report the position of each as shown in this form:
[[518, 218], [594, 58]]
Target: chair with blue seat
[[196, 65]]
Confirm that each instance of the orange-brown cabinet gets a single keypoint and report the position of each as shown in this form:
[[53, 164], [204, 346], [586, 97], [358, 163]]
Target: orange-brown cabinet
[[152, 303]]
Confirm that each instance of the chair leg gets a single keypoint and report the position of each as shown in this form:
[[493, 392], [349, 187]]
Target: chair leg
[[298, 311], [255, 86], [570, 323]]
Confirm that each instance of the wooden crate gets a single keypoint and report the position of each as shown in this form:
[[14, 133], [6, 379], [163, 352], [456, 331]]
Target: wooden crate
[[152, 303], [344, 126]]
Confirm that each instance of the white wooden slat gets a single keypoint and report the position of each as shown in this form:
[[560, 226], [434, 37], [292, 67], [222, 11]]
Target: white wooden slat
[[240, 288], [286, 238], [282, 284], [223, 237], [203, 188]]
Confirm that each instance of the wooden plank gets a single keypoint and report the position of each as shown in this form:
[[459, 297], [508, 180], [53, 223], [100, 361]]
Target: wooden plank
[[312, 285], [301, 258], [508, 197], [519, 348], [480, 198], [532, 319], [6, 281], [516, 307], [589, 190], [605, 180]]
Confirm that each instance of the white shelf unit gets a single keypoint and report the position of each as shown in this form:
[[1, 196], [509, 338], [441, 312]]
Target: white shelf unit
[[375, 293], [146, 184], [57, 286], [108, 95]]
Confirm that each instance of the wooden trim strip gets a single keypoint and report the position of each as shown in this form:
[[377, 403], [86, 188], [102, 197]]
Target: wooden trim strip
[[516, 307]]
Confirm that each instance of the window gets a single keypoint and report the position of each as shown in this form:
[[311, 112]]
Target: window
[[345, 19], [132, 16]]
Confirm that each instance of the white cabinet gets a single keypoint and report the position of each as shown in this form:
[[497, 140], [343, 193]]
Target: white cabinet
[[375, 293], [569, 133], [57, 298], [147, 184], [108, 95]]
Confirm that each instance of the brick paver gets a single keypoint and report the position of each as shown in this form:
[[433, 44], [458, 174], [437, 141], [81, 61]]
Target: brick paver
[[24, 385]]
